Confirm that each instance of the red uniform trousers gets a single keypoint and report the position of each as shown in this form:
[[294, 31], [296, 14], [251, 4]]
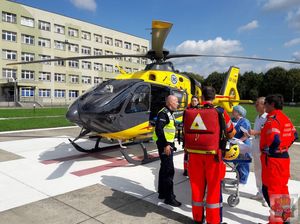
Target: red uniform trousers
[[206, 172], [275, 177]]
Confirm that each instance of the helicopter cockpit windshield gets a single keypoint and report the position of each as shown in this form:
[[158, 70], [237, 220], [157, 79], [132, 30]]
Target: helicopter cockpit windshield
[[164, 66]]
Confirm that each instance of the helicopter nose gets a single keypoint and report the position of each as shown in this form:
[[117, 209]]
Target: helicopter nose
[[72, 114]]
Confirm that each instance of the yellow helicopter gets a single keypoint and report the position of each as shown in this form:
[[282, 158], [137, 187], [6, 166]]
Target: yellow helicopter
[[125, 108]]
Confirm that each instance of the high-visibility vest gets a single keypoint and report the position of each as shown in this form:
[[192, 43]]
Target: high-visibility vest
[[169, 129]]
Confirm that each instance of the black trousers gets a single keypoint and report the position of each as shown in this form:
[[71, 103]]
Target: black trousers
[[166, 174]]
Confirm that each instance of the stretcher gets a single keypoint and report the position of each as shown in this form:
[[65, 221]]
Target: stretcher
[[233, 182]]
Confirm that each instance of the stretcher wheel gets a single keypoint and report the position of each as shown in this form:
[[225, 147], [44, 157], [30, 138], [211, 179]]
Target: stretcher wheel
[[233, 200]]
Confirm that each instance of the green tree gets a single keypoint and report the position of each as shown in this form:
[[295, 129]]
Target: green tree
[[293, 85], [215, 80], [274, 81], [249, 85]]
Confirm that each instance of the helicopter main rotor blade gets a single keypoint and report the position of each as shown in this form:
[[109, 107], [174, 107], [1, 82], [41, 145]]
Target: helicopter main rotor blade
[[160, 31], [230, 56], [80, 58]]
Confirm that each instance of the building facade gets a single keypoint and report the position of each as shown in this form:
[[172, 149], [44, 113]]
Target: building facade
[[32, 34]]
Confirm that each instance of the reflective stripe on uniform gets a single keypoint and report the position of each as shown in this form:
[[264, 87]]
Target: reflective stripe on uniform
[[212, 152], [273, 130], [217, 205], [198, 204]]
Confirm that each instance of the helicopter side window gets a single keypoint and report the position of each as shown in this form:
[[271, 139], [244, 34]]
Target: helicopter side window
[[139, 101], [181, 99]]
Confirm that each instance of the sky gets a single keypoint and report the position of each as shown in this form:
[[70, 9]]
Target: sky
[[255, 28]]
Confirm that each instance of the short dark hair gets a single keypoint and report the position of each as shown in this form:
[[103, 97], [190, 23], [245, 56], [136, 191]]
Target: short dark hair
[[194, 96], [277, 99], [208, 92]]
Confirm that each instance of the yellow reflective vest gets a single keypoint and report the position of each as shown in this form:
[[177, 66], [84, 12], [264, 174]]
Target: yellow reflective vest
[[169, 129]]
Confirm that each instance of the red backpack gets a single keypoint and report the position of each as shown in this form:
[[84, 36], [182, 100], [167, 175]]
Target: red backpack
[[202, 130]]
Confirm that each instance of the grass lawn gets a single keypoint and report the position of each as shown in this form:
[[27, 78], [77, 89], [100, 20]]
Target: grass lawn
[[21, 119]]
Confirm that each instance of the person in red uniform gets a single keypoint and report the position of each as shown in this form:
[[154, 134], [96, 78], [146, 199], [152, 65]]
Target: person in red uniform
[[194, 104], [277, 135], [206, 168]]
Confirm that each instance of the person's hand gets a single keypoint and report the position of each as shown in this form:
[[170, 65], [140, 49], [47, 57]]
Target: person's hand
[[252, 132], [167, 150]]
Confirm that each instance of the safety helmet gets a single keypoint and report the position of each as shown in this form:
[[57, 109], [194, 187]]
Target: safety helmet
[[232, 153]]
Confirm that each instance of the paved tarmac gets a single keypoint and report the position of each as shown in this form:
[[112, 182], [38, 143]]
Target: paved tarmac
[[56, 193]]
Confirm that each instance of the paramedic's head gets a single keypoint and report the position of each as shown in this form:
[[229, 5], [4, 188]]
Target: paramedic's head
[[273, 102], [208, 93], [194, 101], [172, 102]]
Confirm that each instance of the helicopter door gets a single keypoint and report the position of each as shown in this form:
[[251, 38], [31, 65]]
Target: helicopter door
[[137, 110]]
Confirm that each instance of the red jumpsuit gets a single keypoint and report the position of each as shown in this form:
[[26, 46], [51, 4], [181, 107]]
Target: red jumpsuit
[[206, 171], [277, 135]]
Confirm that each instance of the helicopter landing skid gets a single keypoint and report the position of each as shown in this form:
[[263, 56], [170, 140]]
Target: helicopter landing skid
[[147, 158], [80, 149]]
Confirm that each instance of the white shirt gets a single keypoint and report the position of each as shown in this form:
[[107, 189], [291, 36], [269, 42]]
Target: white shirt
[[258, 124]]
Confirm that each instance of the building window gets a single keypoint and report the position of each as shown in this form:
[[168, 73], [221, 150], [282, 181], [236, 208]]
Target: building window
[[27, 56], [127, 59], [9, 36], [86, 65], [45, 76], [59, 77], [97, 52], [97, 80], [98, 38], [74, 78], [108, 52], [73, 32], [27, 39], [98, 66], [9, 54], [135, 60], [85, 35], [73, 48], [27, 91], [136, 47], [86, 79], [109, 68], [127, 45], [86, 50], [9, 73], [118, 58], [27, 74], [43, 42], [128, 70], [73, 64], [59, 63], [25, 21], [144, 49], [44, 93], [44, 25], [143, 61], [118, 43], [59, 29], [9, 17], [45, 57], [108, 41], [59, 93], [73, 93], [59, 45]]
